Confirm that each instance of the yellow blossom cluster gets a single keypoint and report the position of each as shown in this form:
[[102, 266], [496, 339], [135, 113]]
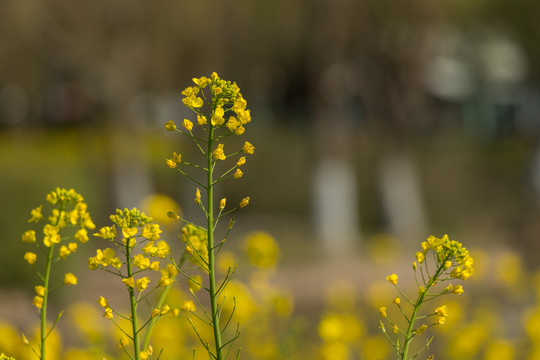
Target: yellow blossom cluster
[[133, 224], [451, 260], [449, 253], [68, 210]]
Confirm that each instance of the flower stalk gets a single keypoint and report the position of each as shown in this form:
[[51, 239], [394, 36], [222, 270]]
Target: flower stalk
[[227, 115]]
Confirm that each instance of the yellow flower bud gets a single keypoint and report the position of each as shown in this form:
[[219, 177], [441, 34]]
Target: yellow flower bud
[[170, 163], [238, 174], [170, 125], [108, 314], [198, 196], [241, 161], [218, 153], [244, 202], [222, 203], [382, 311], [102, 302], [248, 148]]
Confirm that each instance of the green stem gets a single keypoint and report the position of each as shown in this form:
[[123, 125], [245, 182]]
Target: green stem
[[211, 254], [409, 336], [43, 333], [133, 303]]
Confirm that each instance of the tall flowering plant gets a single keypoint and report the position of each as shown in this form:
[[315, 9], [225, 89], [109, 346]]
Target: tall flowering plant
[[440, 260], [221, 111], [68, 214]]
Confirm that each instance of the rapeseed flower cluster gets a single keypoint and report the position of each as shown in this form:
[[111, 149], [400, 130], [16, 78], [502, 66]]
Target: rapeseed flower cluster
[[68, 211], [448, 260], [221, 111], [141, 249]]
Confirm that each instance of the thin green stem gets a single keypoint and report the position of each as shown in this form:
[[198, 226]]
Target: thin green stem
[[409, 336], [133, 303], [43, 332], [211, 254]]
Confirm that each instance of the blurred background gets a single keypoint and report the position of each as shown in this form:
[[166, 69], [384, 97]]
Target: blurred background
[[376, 123]]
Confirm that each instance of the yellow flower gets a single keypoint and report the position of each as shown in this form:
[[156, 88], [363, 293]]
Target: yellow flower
[[218, 153], [441, 311], [141, 262], [244, 202], [162, 249], [440, 321], [70, 279], [198, 196], [164, 309], [51, 235], [81, 235], [382, 311], [222, 203], [188, 306], [241, 161], [217, 117], [187, 124], [457, 289], [239, 130], [36, 214], [40, 290], [38, 302], [107, 232], [421, 329], [420, 257], [154, 265], [201, 120], [155, 312], [64, 252], [397, 301], [129, 232], [447, 264], [238, 174], [30, 257], [248, 148], [143, 283], [395, 329], [29, 236], [170, 163], [129, 282], [102, 302], [392, 279], [170, 125], [201, 82], [151, 231], [108, 314]]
